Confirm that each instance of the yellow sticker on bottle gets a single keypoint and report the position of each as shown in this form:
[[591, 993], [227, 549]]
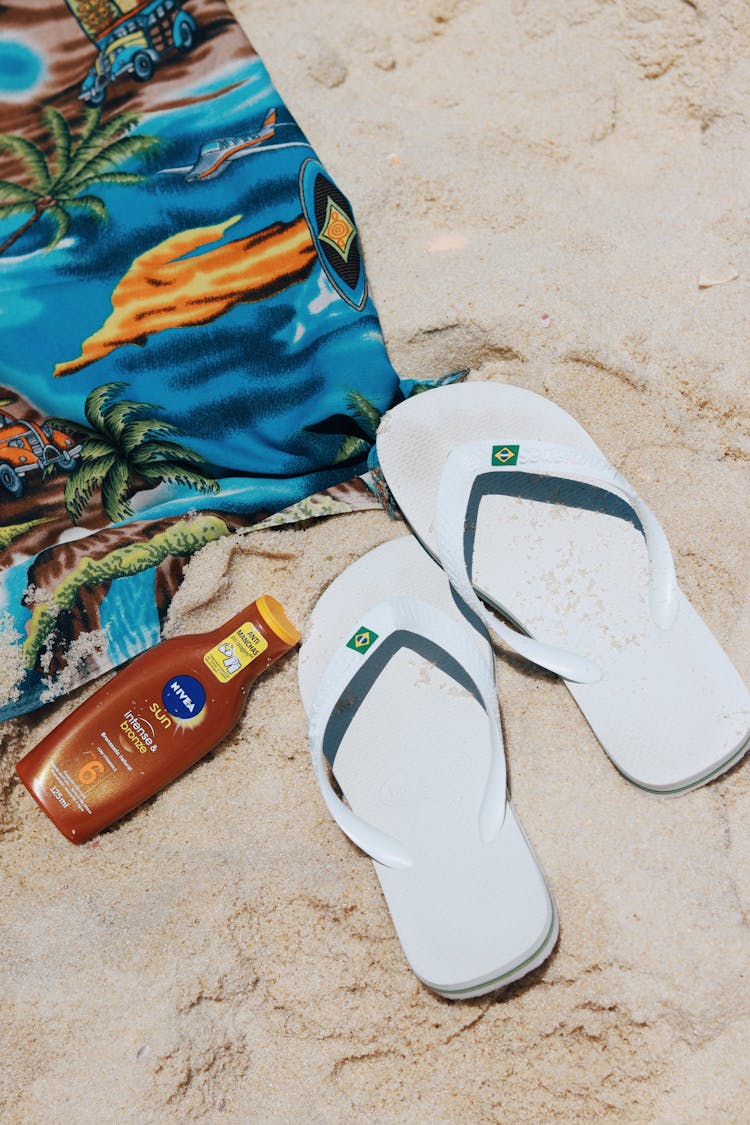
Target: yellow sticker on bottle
[[234, 653]]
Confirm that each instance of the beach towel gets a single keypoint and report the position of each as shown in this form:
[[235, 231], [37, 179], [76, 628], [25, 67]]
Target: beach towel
[[187, 339]]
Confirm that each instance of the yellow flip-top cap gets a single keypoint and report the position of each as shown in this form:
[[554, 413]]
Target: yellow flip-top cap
[[274, 615]]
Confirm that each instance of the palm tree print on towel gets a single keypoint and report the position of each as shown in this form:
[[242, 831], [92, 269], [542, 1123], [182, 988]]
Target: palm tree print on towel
[[124, 448], [365, 419], [58, 183]]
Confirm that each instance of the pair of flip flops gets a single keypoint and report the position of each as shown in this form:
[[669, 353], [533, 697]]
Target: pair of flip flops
[[544, 546]]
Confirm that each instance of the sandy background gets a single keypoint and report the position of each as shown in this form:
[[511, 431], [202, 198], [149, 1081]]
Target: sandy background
[[539, 187]]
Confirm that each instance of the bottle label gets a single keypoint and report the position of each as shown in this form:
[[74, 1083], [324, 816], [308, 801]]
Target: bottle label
[[235, 652]]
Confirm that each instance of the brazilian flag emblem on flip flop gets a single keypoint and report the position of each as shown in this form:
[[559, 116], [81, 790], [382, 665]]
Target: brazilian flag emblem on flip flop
[[363, 639], [504, 454]]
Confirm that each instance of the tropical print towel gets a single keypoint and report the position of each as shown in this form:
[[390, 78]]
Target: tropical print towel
[[187, 342]]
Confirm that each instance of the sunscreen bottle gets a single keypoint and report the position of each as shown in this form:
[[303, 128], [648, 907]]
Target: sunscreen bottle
[[152, 721]]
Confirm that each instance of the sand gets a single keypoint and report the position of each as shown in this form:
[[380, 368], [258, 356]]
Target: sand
[[541, 190]]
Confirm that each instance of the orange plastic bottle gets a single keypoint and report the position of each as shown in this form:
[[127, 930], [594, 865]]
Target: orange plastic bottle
[[153, 720]]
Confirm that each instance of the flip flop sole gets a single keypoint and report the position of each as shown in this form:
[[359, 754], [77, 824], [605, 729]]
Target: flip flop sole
[[471, 916], [568, 565]]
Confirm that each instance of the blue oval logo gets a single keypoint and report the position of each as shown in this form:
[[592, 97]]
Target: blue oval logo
[[184, 697]]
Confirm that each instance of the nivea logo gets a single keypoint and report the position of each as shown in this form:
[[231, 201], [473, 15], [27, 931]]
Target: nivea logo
[[184, 697]]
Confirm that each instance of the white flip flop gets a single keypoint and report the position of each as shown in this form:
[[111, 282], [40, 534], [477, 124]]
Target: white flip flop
[[400, 692], [502, 484]]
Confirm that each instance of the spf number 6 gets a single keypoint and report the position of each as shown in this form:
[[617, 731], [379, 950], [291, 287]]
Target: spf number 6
[[90, 772]]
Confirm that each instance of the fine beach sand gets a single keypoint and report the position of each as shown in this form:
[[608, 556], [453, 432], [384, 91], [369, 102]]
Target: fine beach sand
[[553, 195]]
